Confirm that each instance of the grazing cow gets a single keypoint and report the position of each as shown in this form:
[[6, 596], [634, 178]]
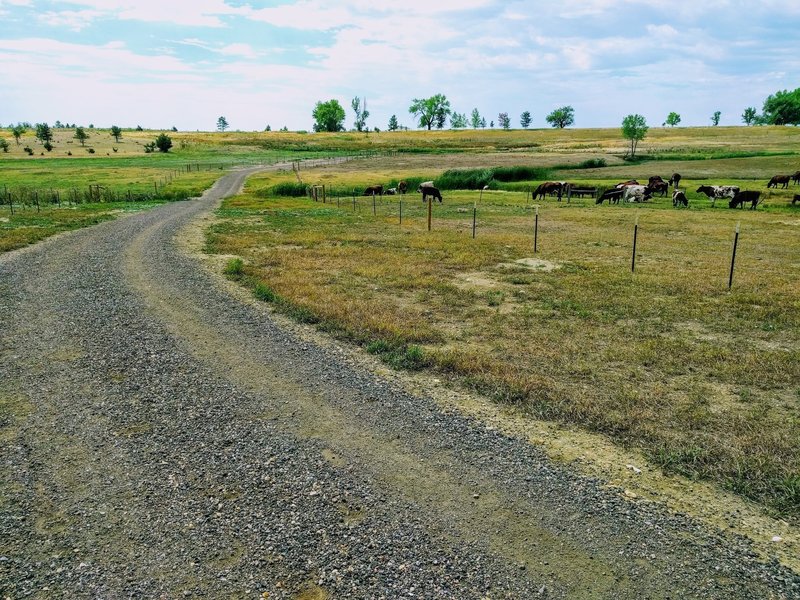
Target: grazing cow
[[796, 177], [626, 183], [425, 184], [391, 191], [612, 195], [658, 186], [717, 192], [374, 190], [675, 179], [402, 187], [679, 198], [636, 193], [796, 198], [782, 179], [432, 192], [548, 187], [743, 198]]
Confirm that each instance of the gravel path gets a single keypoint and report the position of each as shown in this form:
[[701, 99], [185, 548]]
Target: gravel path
[[161, 439]]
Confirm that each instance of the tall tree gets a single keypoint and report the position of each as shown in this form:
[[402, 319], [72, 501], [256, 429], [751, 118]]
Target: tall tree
[[475, 118], [361, 113], [430, 111], [525, 119], [328, 116], [393, 126], [673, 119], [715, 118], [782, 108], [81, 135], [483, 123], [43, 132], [561, 117], [503, 120], [222, 124], [17, 131], [634, 128], [116, 132], [750, 115], [458, 121]]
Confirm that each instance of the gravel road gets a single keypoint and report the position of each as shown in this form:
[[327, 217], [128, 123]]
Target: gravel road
[[162, 439]]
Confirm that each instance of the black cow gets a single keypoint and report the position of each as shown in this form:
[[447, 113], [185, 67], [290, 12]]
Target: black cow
[[796, 177], [432, 192], [612, 195], [675, 179], [743, 198]]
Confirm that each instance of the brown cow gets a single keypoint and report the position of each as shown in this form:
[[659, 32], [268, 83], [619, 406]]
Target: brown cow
[[658, 186], [655, 179], [782, 179], [548, 187], [402, 187], [627, 183], [374, 190]]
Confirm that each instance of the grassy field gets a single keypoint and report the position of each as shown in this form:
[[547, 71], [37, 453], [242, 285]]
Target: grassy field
[[705, 380]]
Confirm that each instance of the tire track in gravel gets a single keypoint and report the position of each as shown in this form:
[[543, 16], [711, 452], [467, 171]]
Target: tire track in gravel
[[173, 441]]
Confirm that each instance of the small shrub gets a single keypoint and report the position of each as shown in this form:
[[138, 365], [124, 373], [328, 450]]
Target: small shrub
[[139, 128], [495, 298], [592, 163], [69, 152], [48, 146], [263, 292], [114, 149], [29, 150], [151, 147], [90, 150], [234, 268], [163, 142], [4, 145]]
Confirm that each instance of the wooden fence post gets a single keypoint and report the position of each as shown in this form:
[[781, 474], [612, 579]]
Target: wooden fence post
[[733, 256]]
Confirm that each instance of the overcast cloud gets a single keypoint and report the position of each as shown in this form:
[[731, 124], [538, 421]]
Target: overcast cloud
[[183, 63]]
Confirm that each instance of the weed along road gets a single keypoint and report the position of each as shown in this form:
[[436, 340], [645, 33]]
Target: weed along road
[[164, 438]]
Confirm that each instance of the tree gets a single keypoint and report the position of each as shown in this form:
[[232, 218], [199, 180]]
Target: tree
[[3, 145], [475, 119], [81, 135], [634, 128], [430, 110], [163, 142], [222, 124], [673, 119], [458, 121], [17, 132], [361, 113], [43, 132], [483, 123], [749, 116], [503, 120], [491, 124], [782, 108], [393, 126], [561, 117], [525, 119], [715, 118], [268, 128], [116, 132], [328, 116]]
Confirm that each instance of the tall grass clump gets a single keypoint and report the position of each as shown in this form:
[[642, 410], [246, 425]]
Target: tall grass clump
[[234, 268], [287, 188], [474, 179]]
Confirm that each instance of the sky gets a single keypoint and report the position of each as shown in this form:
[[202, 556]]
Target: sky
[[185, 63]]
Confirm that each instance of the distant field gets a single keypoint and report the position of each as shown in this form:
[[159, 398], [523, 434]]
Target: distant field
[[705, 380]]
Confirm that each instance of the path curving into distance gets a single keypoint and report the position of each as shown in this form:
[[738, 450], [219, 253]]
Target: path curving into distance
[[163, 439]]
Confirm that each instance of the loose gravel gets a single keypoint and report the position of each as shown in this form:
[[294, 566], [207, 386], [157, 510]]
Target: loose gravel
[[161, 439]]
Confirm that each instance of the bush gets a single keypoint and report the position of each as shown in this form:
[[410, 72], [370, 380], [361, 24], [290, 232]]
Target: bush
[[592, 163], [263, 292], [29, 150], [288, 188], [163, 142], [151, 147], [90, 150], [234, 268], [48, 146]]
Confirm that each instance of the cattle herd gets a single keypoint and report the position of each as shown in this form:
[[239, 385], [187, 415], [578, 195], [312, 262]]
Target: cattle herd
[[627, 191]]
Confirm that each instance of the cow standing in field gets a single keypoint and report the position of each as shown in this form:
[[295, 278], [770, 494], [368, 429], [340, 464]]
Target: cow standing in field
[[743, 198], [374, 190], [679, 198], [717, 192], [431, 191], [402, 187], [659, 186], [548, 187], [796, 177], [675, 180], [779, 179]]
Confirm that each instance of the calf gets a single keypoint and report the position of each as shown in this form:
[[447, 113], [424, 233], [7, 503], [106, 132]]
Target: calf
[[743, 198], [717, 192], [782, 179], [679, 198]]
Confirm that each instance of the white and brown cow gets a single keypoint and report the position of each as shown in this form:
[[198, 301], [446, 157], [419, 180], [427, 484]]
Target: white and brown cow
[[717, 192], [636, 193]]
